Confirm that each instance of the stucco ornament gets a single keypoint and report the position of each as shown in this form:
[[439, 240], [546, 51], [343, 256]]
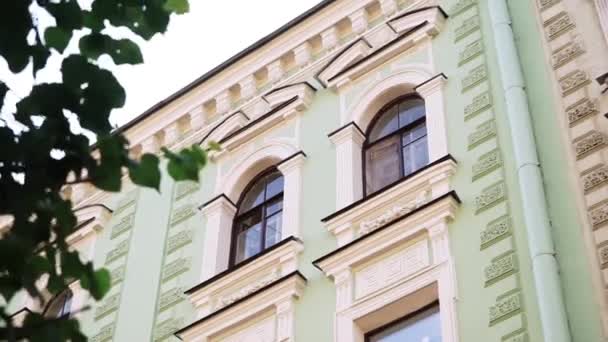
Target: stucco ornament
[[233, 297], [368, 226]]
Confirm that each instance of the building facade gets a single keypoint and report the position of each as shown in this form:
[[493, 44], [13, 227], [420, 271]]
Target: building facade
[[391, 170]]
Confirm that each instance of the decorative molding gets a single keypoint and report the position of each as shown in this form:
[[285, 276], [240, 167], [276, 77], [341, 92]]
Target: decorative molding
[[109, 305], [166, 328], [126, 202], [170, 298], [105, 333], [179, 240], [184, 188], [117, 275], [482, 133], [506, 306], [467, 27], [125, 224], [517, 336], [495, 231], [119, 251], [487, 163], [474, 77], [603, 254], [175, 268], [470, 51], [462, 6], [598, 214], [566, 53], [581, 110], [588, 143], [544, 4], [490, 196], [595, 177], [480, 103], [573, 81], [241, 293], [368, 226], [181, 214], [558, 25], [500, 268]]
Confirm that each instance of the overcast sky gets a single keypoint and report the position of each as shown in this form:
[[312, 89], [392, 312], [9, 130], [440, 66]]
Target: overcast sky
[[196, 42]]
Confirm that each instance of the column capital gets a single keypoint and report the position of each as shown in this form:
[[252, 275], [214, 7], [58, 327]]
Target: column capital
[[347, 133], [218, 204], [431, 85], [291, 163]]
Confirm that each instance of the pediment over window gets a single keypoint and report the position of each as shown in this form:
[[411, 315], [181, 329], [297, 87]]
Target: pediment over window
[[414, 193], [91, 219], [350, 55]]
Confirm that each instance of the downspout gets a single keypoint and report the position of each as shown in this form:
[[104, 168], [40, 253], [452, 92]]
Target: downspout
[[542, 251]]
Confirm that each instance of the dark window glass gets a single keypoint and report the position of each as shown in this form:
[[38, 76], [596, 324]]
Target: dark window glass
[[423, 326], [60, 306], [259, 219], [396, 144]]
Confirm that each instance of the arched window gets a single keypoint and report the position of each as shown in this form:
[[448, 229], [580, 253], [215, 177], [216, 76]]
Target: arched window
[[396, 143], [59, 307], [257, 225]]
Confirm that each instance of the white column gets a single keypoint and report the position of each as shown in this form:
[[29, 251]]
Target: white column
[[329, 38], [359, 21], [197, 117], [302, 53], [216, 251], [349, 178], [436, 128], [388, 7], [172, 133], [292, 195], [248, 87], [343, 281], [285, 320], [275, 71]]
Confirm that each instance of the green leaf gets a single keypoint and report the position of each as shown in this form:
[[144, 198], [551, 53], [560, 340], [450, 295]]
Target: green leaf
[[67, 13], [186, 164], [3, 91], [93, 45], [125, 51], [102, 282], [146, 172], [214, 146], [57, 38], [177, 6], [107, 175]]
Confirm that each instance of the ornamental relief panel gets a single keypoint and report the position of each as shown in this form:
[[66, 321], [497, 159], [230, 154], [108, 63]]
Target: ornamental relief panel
[[558, 25], [580, 110], [495, 231], [603, 254], [490, 196], [500, 268], [567, 53], [594, 177], [573, 81], [264, 331], [588, 143], [482, 133], [166, 328], [109, 305], [599, 214], [506, 306], [181, 213], [479, 104], [462, 6], [545, 4], [391, 269], [487, 163], [175, 268], [468, 26], [368, 226], [475, 77], [105, 333], [470, 51], [228, 297], [125, 224]]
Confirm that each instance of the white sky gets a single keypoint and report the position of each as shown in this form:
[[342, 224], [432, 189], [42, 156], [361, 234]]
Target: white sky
[[196, 42]]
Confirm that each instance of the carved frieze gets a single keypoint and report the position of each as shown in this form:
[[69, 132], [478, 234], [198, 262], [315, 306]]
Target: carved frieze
[[480, 103], [117, 275], [482, 133], [184, 188], [487, 163], [573, 81], [471, 51], [595, 177], [475, 77], [105, 333], [588, 143], [166, 328], [500, 268], [506, 306], [603, 254], [175, 268], [490, 196], [392, 214], [544, 4], [119, 251], [516, 336], [179, 240], [495, 231], [170, 298], [558, 25], [126, 202], [109, 305], [241, 293], [125, 224], [599, 214], [566, 53], [467, 27], [181, 214], [462, 6], [581, 110]]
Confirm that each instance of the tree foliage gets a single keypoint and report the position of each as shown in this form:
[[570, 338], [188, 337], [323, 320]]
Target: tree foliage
[[33, 250]]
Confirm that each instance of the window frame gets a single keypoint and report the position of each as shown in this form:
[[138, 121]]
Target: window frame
[[368, 335], [367, 145], [232, 262], [66, 297]]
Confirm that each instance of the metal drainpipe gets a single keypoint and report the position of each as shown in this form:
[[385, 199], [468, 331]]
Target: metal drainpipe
[[544, 264]]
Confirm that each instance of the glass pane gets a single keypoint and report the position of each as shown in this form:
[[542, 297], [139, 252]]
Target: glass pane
[[275, 184], [410, 111], [415, 155], [249, 243], [254, 197], [273, 229], [424, 327], [386, 124], [274, 206], [383, 164]]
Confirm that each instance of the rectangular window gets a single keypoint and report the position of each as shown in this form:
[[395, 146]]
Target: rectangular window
[[421, 326]]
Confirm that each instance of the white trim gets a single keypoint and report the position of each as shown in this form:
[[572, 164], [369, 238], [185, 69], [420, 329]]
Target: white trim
[[602, 12]]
